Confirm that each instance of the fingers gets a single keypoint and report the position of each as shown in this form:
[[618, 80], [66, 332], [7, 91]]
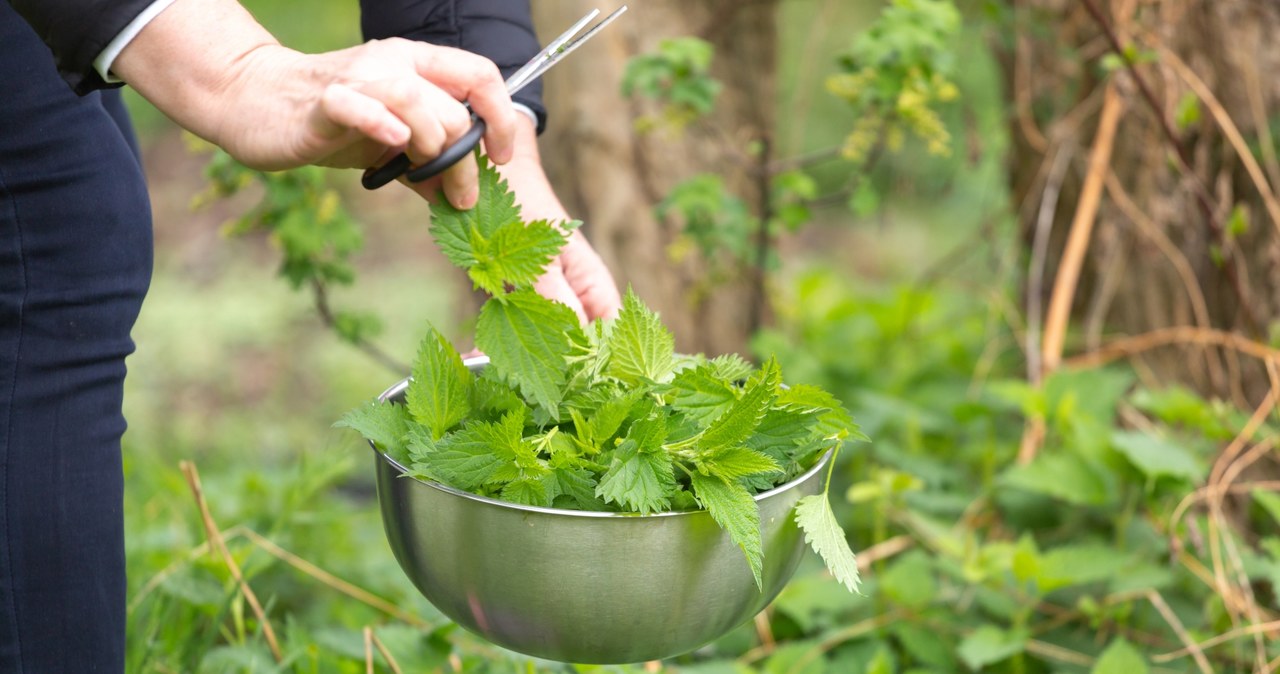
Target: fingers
[[554, 286], [343, 108], [474, 79], [462, 183], [433, 117], [589, 279]]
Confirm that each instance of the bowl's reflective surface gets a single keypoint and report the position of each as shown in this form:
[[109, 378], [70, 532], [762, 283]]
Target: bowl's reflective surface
[[584, 587]]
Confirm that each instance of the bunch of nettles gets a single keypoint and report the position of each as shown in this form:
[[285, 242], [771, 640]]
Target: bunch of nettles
[[604, 418]]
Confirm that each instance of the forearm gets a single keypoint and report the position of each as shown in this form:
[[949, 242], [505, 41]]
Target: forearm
[[185, 66]]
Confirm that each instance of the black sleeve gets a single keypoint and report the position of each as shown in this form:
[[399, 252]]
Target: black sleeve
[[77, 31], [500, 30]]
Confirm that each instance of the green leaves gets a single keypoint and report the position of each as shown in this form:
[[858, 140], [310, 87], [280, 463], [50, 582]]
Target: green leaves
[[516, 255], [453, 229], [735, 426], [824, 535], [1120, 658], [733, 508], [641, 476], [383, 424], [989, 644], [439, 393], [1156, 457], [490, 241], [605, 419], [640, 346], [527, 338]]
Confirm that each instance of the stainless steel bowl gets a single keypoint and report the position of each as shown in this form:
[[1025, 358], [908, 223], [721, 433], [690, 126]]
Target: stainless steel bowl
[[583, 587]]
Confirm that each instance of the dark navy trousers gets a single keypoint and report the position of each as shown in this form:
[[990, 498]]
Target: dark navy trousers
[[75, 262]]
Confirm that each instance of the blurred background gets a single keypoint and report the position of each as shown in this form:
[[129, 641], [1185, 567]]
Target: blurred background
[[1031, 244]]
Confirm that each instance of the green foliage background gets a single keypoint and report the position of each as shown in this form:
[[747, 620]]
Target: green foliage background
[[1074, 562]]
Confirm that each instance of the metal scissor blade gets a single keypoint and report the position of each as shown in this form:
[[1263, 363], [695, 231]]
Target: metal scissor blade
[[524, 74], [559, 48]]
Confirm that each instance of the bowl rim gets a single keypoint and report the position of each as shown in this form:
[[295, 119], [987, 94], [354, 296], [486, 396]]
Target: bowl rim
[[480, 361]]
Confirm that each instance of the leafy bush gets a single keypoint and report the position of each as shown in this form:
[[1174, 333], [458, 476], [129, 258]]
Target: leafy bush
[[1080, 558]]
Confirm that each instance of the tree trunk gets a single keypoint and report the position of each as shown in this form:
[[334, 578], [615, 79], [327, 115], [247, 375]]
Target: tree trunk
[[611, 177], [1163, 252]]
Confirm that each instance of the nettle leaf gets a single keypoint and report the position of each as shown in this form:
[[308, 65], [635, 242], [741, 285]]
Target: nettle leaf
[[738, 462], [701, 394], [438, 396], [833, 419], [464, 458], [383, 424], [1063, 476], [577, 484], [527, 490], [481, 453], [516, 255], [1120, 658], [733, 427], [1156, 456], [730, 367], [1078, 565], [989, 644], [452, 228], [640, 347], [641, 476], [526, 337], [824, 535], [733, 508], [491, 399], [599, 426], [781, 431]]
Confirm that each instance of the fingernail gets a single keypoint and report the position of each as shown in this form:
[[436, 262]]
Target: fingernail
[[468, 199]]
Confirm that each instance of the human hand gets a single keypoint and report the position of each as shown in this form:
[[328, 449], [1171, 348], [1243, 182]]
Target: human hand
[[274, 108], [578, 277]]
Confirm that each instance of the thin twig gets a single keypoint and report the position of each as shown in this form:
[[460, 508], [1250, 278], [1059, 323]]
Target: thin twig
[[320, 295], [1214, 641], [1206, 491], [386, 654], [368, 650], [1199, 307], [1202, 197], [1064, 288], [1229, 129], [764, 630], [800, 161], [884, 550], [326, 578], [1039, 251], [1197, 653], [1048, 650], [215, 537], [1183, 334]]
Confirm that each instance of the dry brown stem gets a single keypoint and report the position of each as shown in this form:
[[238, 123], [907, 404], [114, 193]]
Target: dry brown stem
[[1194, 649], [1064, 287], [386, 654], [1214, 641], [1199, 307], [332, 581], [1229, 129], [1183, 334], [215, 537]]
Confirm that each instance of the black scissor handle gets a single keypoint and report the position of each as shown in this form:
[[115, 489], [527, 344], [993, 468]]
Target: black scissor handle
[[377, 177]]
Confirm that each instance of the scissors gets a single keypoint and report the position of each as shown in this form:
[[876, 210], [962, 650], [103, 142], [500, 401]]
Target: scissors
[[558, 48]]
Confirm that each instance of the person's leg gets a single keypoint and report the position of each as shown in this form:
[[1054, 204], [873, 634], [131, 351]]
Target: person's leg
[[75, 262]]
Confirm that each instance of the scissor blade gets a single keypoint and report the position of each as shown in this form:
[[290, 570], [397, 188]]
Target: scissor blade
[[558, 49], [525, 73], [567, 49]]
